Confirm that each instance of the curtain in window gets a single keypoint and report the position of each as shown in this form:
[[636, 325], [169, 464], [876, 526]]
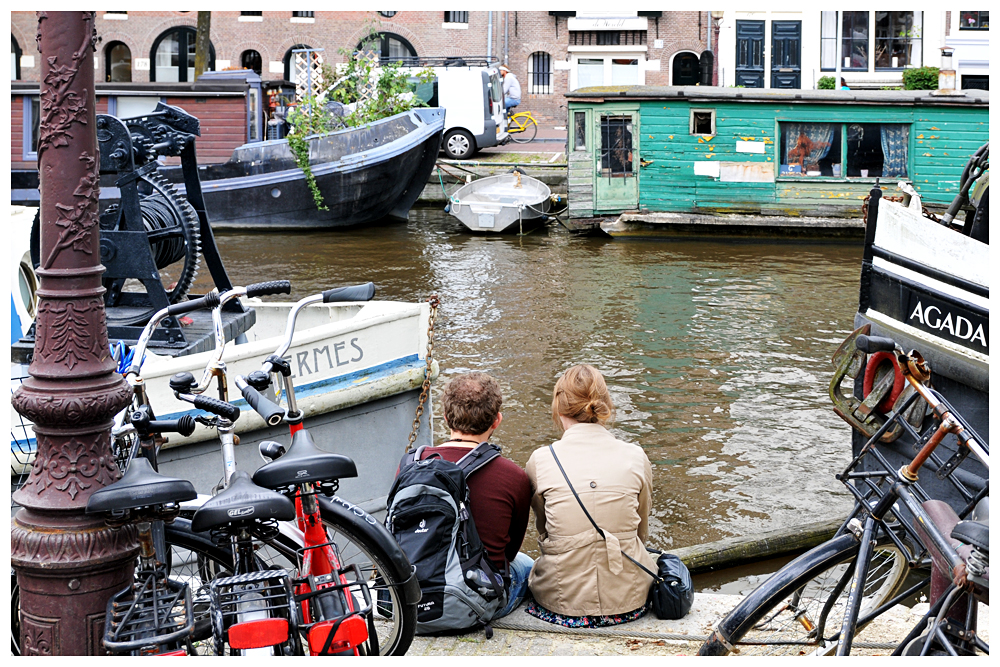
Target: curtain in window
[[895, 139], [807, 143]]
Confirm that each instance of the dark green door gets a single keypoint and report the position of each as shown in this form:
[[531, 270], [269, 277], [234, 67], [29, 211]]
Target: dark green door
[[616, 183], [786, 54]]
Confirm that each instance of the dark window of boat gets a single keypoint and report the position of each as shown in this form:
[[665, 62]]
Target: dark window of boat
[[303, 15], [167, 49], [117, 62], [29, 150], [810, 149], [616, 146], [426, 91], [703, 122], [974, 21], [828, 41], [15, 56], [975, 81], [854, 47], [251, 60], [456, 17], [579, 131], [897, 40], [877, 149], [540, 73]]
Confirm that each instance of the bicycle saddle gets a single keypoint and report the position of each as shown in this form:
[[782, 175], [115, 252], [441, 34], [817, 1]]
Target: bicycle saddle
[[973, 532], [242, 500], [304, 462], [140, 486]]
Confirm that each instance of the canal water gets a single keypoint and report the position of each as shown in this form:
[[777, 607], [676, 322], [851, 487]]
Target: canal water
[[717, 354]]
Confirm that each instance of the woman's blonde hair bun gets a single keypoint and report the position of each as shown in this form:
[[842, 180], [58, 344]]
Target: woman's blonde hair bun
[[582, 395]]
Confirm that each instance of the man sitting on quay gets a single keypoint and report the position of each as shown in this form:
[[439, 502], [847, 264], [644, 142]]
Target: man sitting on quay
[[499, 492]]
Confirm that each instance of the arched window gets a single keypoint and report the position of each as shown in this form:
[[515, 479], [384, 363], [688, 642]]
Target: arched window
[[539, 73], [15, 59], [289, 60], [389, 46], [685, 70], [117, 62], [170, 50], [251, 59]]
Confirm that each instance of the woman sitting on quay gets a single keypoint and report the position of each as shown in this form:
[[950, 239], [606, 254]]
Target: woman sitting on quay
[[583, 579]]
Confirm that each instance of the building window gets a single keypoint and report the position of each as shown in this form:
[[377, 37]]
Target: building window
[[580, 131], [616, 147], [289, 60], [251, 60], [15, 59], [897, 39], [589, 72], [456, 17], [975, 82], [974, 21], [540, 73], [303, 15], [115, 16], [165, 64], [624, 72], [117, 63], [828, 41], [251, 13], [607, 37], [29, 150], [854, 47], [388, 15], [822, 149], [703, 122], [390, 47]]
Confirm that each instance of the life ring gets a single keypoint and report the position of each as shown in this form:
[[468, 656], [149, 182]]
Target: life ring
[[874, 361]]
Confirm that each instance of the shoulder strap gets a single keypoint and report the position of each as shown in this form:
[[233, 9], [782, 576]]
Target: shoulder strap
[[480, 455], [594, 523], [411, 456]]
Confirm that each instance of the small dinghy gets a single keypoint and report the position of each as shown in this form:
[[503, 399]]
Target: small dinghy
[[506, 202]]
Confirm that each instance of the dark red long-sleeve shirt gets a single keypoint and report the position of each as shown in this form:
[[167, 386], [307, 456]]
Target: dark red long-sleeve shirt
[[500, 494]]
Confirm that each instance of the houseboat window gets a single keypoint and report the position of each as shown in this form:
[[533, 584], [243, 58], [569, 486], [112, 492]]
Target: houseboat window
[[810, 149], [703, 121], [253, 113], [579, 131], [589, 72], [855, 40], [616, 146], [31, 112], [540, 73], [828, 41], [624, 72], [118, 62], [974, 21], [897, 39], [877, 149]]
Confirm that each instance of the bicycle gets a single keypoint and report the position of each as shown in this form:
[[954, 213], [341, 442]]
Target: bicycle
[[790, 611], [522, 127], [332, 586]]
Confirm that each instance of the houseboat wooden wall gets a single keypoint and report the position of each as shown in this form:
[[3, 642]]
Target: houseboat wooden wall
[[220, 108], [943, 133]]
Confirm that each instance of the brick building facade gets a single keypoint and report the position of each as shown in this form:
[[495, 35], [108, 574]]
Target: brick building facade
[[550, 52]]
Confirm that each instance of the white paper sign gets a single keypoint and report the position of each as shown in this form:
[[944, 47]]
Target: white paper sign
[[749, 146], [706, 168]]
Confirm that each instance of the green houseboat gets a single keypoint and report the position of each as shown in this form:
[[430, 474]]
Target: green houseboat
[[792, 159]]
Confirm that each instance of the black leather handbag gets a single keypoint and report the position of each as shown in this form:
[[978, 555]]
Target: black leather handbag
[[672, 592]]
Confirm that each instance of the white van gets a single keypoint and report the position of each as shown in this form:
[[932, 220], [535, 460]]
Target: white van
[[473, 101]]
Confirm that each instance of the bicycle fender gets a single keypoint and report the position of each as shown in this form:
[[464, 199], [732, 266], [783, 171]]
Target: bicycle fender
[[338, 510], [780, 584]]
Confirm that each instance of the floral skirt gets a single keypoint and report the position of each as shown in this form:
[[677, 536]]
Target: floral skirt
[[538, 611]]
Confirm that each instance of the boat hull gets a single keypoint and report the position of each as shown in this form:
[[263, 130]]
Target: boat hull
[[502, 203]]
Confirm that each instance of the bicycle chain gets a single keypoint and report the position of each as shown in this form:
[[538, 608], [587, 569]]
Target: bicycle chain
[[425, 388]]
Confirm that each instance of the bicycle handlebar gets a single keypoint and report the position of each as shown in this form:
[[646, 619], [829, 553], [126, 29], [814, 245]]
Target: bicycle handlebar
[[185, 426], [353, 293], [213, 405], [271, 412], [210, 300], [272, 287]]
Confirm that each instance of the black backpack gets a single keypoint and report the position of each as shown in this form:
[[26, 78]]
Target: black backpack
[[429, 515]]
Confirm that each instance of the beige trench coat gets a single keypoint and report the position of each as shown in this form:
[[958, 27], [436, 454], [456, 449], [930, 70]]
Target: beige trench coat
[[579, 573]]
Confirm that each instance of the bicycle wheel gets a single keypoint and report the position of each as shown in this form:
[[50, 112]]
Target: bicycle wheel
[[783, 618], [525, 130]]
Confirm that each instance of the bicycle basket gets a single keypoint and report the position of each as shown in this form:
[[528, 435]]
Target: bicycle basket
[[150, 616]]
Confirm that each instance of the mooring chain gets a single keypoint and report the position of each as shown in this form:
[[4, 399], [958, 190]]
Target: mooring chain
[[425, 389]]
